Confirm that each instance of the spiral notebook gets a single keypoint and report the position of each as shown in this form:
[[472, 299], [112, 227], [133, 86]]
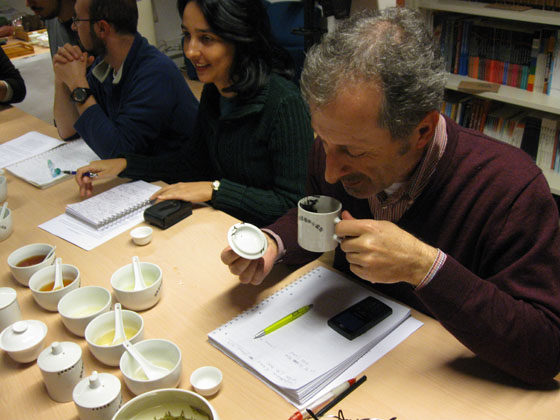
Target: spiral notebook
[[91, 222], [122, 201], [67, 156], [303, 357]]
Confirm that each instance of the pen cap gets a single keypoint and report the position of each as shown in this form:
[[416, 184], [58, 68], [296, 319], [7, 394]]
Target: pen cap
[[296, 416]]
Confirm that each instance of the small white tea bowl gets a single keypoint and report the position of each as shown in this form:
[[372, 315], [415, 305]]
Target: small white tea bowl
[[142, 235], [99, 330], [79, 307], [49, 299], [206, 380], [162, 353], [23, 274], [122, 282]]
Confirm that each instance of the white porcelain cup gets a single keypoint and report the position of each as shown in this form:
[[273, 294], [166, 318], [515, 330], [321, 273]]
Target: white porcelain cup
[[6, 225], [62, 368], [9, 307], [317, 218], [3, 189]]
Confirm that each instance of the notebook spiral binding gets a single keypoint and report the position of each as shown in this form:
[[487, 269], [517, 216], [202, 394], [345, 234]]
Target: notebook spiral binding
[[109, 222]]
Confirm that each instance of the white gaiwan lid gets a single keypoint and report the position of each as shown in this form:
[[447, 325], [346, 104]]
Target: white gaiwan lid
[[22, 335], [96, 390], [247, 241], [7, 296], [59, 356]]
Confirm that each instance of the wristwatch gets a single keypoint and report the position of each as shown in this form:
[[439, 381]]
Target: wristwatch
[[80, 95], [215, 188]]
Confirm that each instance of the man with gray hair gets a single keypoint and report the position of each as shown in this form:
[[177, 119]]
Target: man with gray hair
[[440, 217]]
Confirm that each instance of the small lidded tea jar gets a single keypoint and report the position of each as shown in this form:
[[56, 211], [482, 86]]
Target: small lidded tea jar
[[98, 397], [62, 368]]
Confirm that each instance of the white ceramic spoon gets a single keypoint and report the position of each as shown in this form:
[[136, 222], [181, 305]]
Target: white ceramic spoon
[[58, 284], [50, 253], [138, 278], [152, 371], [120, 336], [4, 207]]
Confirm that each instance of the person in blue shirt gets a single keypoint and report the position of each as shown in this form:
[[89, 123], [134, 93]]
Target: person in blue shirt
[[133, 98]]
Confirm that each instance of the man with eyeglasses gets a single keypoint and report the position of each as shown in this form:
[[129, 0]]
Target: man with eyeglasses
[[132, 99], [57, 15]]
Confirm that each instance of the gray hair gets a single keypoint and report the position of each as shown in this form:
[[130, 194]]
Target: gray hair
[[391, 48]]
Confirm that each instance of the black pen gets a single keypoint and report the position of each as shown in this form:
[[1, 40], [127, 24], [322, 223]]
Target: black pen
[[88, 174], [339, 398]]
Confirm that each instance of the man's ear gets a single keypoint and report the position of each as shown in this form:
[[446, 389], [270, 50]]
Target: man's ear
[[426, 129], [102, 28]]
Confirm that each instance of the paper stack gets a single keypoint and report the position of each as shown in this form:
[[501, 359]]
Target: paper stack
[[301, 358]]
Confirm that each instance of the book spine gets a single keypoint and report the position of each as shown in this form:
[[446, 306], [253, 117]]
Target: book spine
[[549, 50], [530, 140], [533, 67], [554, 81]]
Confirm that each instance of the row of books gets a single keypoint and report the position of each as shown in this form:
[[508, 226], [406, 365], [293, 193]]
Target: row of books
[[537, 133], [533, 4], [523, 56]]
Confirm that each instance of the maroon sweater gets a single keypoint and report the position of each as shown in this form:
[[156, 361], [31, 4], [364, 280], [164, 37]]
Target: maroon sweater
[[489, 208]]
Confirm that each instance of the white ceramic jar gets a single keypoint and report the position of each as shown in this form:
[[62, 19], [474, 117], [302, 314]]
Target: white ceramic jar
[[98, 397], [62, 368], [9, 307], [23, 340]]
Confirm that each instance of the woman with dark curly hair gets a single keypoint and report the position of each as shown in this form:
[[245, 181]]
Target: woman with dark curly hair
[[248, 155]]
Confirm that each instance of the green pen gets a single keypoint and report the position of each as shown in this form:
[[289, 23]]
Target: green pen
[[286, 320]]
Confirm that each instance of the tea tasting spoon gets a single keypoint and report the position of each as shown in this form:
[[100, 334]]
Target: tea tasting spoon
[[4, 207], [152, 371], [58, 284], [119, 327], [50, 253], [138, 278]]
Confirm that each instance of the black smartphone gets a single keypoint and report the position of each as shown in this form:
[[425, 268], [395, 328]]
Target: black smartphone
[[360, 317]]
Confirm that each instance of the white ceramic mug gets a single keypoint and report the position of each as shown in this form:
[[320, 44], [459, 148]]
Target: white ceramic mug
[[9, 307], [62, 368], [317, 218], [3, 189]]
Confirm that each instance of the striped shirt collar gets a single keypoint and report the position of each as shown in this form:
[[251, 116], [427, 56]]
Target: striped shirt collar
[[392, 207]]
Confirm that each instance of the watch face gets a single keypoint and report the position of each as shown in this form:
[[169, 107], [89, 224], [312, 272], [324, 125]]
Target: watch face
[[80, 95]]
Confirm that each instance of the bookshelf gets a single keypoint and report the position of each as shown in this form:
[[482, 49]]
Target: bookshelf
[[534, 100], [506, 94], [544, 17]]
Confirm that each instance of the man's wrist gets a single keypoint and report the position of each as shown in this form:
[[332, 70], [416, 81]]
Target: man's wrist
[[83, 83], [276, 243], [437, 263]]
